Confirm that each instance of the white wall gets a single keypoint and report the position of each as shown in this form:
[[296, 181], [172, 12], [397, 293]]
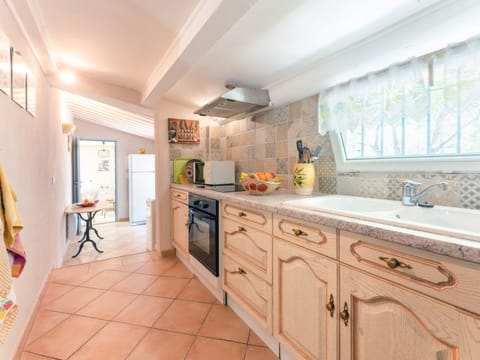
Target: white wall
[[33, 151], [126, 144]]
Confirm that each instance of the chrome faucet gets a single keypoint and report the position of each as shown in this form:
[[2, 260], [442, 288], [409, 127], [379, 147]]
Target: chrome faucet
[[409, 193]]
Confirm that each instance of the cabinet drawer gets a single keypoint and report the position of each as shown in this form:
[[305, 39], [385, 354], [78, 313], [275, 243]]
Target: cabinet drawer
[[319, 238], [249, 290], [248, 246], [179, 195], [258, 219], [441, 277]]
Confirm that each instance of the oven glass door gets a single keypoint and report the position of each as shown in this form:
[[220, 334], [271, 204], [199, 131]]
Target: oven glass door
[[203, 239]]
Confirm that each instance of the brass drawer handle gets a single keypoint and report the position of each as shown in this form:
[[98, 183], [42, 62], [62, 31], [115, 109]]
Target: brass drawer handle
[[330, 306], [394, 263], [178, 195], [241, 228], [298, 232], [345, 315], [241, 271], [242, 214]]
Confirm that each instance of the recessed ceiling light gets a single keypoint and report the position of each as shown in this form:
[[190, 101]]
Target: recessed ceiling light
[[67, 76]]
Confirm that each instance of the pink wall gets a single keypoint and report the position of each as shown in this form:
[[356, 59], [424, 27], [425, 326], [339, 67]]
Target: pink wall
[[33, 153], [126, 144]]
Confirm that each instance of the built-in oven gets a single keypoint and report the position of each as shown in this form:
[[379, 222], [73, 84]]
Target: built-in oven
[[203, 231]]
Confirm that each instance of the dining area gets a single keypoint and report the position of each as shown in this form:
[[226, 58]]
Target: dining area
[[89, 240]]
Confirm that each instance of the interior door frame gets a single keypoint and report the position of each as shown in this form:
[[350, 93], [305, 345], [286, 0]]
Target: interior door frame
[[76, 169]]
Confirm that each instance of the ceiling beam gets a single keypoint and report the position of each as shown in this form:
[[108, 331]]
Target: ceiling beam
[[120, 97], [209, 22]]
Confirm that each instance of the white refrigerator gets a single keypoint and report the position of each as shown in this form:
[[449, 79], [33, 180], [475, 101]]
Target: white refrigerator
[[141, 185]]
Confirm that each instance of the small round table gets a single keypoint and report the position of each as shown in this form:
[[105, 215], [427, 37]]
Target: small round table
[[90, 212]]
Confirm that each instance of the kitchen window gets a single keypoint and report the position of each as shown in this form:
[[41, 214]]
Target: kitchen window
[[424, 111]]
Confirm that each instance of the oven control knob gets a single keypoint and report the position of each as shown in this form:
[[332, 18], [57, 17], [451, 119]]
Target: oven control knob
[[205, 206], [197, 202]]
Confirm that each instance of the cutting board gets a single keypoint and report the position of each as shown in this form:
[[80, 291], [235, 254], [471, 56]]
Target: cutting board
[[178, 168]]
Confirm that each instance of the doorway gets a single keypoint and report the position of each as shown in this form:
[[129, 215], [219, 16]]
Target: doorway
[[95, 175]]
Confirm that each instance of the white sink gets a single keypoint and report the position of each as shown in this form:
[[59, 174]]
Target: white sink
[[448, 221]]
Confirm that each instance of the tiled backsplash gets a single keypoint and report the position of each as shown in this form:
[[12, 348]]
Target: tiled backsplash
[[268, 142]]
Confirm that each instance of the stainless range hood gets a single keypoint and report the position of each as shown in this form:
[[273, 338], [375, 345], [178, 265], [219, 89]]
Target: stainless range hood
[[237, 103]]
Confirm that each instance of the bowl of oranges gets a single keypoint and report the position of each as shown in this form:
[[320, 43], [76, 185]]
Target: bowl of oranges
[[259, 183]]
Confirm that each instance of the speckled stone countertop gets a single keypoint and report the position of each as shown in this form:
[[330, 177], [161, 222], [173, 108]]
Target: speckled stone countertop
[[463, 249]]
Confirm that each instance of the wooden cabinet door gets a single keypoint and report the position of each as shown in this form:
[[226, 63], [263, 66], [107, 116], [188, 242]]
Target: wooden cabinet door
[[304, 282], [386, 321], [179, 218]]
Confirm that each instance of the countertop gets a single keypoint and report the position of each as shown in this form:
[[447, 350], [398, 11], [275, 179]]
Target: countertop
[[462, 249]]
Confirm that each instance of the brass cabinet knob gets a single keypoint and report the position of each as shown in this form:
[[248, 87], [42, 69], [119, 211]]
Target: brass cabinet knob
[[241, 228], [393, 263], [345, 315], [330, 305], [242, 214], [299, 232], [241, 271]]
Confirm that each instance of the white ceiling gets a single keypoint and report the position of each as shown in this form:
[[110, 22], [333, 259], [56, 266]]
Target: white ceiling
[[138, 53]]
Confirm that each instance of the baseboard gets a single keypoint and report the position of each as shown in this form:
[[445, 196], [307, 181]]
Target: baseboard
[[167, 253], [23, 341]]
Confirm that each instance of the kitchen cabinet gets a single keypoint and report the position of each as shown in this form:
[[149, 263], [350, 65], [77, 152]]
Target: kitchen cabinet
[[381, 320], [305, 291], [329, 294], [247, 261], [179, 219]]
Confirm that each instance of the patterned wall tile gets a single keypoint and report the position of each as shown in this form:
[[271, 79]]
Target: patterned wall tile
[[282, 166], [327, 185], [470, 191], [295, 111], [282, 132], [270, 150], [281, 149], [280, 115]]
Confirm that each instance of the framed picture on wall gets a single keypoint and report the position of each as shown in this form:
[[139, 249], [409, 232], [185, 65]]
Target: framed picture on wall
[[183, 131], [19, 79], [5, 65]]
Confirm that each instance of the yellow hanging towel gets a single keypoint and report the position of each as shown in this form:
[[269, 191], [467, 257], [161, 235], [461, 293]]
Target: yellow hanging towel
[[12, 223]]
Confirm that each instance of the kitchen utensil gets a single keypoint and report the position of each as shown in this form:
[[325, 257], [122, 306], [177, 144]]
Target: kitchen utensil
[[306, 155], [316, 152], [300, 150]]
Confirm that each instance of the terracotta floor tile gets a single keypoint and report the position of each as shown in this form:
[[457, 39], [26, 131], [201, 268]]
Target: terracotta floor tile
[[45, 321], [196, 291], [166, 287], [115, 341], [144, 310], [223, 323], [183, 316], [74, 300], [54, 291], [109, 264], [214, 349], [173, 346], [105, 279], [71, 275], [134, 283], [179, 270], [259, 353], [30, 356], [66, 338], [136, 258], [107, 305], [157, 267], [253, 339]]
